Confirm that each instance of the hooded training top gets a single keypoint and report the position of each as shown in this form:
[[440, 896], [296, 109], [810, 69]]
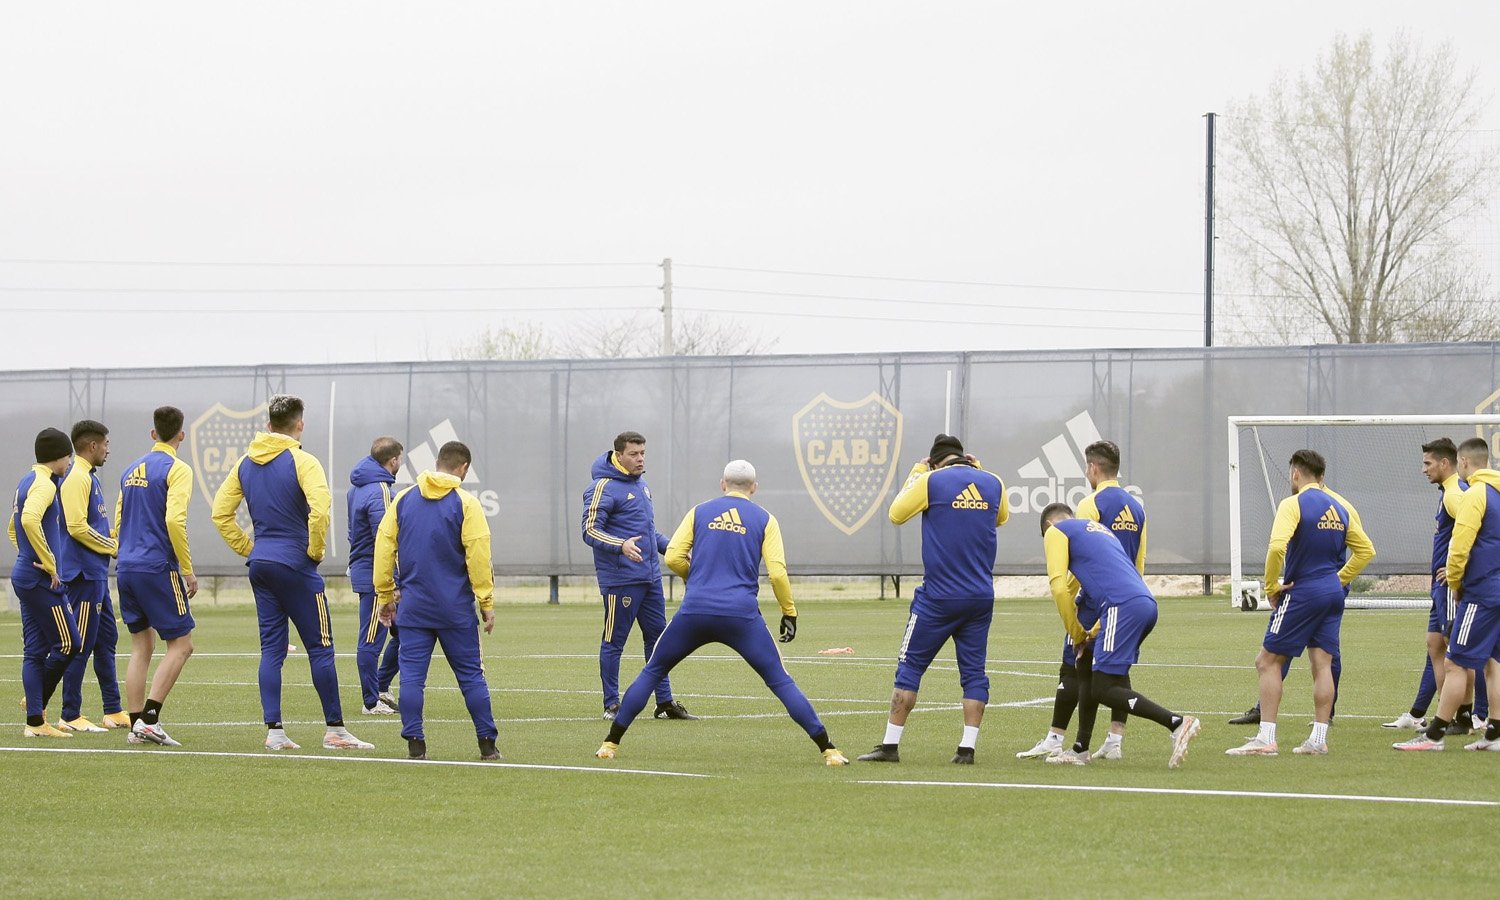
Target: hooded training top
[[436, 534], [36, 528], [961, 506], [289, 501], [1474, 555], [1452, 493], [86, 520], [1313, 528], [617, 507], [151, 513], [369, 495]]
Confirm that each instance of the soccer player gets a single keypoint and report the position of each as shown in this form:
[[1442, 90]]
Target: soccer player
[[84, 570], [1084, 554], [961, 505], [1473, 565], [287, 493], [155, 572], [1125, 517], [437, 536], [49, 633], [369, 497], [620, 524], [1313, 529], [722, 542]]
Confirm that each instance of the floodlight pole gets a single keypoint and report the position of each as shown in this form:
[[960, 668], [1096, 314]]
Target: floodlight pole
[[1208, 234], [666, 307]]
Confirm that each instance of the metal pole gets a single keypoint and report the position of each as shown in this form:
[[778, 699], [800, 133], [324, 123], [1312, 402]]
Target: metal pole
[[1208, 235], [666, 307]]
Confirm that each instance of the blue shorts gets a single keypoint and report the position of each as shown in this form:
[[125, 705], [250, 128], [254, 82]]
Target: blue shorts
[[931, 624], [1443, 610], [155, 600], [1475, 638], [1126, 626], [1306, 618]]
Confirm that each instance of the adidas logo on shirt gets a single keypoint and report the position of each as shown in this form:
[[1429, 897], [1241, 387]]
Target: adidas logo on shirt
[[137, 477], [970, 498], [1330, 520], [1125, 521], [728, 520]]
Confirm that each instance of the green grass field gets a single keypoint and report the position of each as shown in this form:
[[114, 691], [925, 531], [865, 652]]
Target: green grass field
[[769, 820]]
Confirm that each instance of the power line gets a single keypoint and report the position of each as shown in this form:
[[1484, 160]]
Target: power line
[[326, 311], [930, 302], [337, 290], [315, 265], [795, 315], [998, 284]]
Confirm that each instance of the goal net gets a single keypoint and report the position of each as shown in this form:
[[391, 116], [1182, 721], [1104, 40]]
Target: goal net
[[1375, 462]]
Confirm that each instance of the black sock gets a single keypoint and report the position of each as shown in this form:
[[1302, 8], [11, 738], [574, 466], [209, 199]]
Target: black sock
[[821, 739], [1066, 699], [1437, 729], [1465, 714], [1080, 747], [36, 721], [616, 733], [151, 713], [134, 718], [272, 726], [1417, 713], [1492, 731], [1176, 721], [336, 723]]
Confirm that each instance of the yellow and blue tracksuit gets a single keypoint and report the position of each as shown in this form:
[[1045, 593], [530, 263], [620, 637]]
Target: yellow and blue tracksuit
[[153, 555], [961, 506], [1444, 600], [290, 504], [1474, 573], [1125, 517], [48, 629], [433, 546], [1314, 531], [616, 507], [85, 571], [370, 493], [1085, 555], [718, 550]]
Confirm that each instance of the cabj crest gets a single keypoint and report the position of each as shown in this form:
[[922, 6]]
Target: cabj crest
[[847, 453], [216, 440]]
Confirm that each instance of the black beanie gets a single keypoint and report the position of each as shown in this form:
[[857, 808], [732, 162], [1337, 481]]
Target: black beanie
[[52, 444], [944, 446]]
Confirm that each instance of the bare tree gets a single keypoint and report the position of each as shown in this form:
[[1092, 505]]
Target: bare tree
[[1346, 187], [523, 340], [615, 338]]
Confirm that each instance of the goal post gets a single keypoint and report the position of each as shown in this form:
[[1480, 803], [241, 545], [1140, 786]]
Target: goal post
[[1373, 461]]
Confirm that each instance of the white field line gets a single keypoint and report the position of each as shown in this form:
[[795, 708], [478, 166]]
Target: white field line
[[1113, 789], [268, 755]]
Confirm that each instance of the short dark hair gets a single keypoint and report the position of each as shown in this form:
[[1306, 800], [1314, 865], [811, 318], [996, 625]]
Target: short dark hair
[[628, 437], [1310, 462], [86, 431], [1476, 449], [168, 422], [452, 455], [1055, 511], [385, 449], [1105, 455], [1442, 448], [284, 410]]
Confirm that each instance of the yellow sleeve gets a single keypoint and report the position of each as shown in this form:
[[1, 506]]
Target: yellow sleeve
[[387, 539], [1288, 517], [1003, 514], [10, 522], [75, 491], [1361, 548], [475, 536], [319, 501], [41, 495], [179, 495], [1140, 552], [912, 498], [226, 503], [680, 547], [119, 508], [1465, 529], [1088, 508], [1062, 583], [774, 553]]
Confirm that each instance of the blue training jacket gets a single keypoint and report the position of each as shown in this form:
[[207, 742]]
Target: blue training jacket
[[617, 507], [369, 495]]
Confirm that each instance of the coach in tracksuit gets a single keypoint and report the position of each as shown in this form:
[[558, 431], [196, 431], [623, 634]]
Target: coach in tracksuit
[[290, 503], [370, 495], [49, 631], [436, 535], [620, 524]]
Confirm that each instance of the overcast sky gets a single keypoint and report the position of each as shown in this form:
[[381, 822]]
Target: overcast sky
[[361, 160]]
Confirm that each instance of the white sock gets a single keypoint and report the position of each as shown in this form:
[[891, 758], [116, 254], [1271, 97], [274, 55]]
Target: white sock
[[970, 738], [893, 733], [277, 733], [339, 730], [1112, 739], [1053, 738], [1320, 733], [1267, 732]]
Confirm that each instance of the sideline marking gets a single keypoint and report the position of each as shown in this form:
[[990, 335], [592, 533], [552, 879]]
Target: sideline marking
[[271, 755], [1275, 795]]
